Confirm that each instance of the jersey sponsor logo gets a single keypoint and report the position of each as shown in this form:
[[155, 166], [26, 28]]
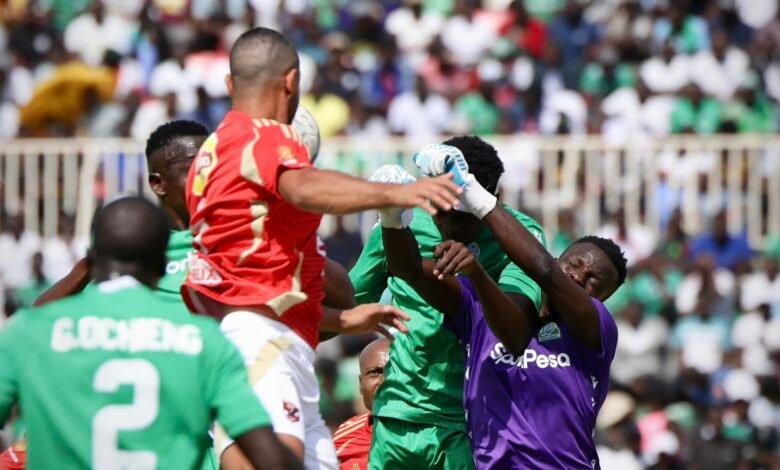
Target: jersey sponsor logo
[[133, 335], [202, 273], [499, 355], [177, 266], [549, 332], [293, 414]]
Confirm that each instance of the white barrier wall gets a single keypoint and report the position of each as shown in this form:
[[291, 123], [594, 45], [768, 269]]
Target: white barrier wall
[[46, 177]]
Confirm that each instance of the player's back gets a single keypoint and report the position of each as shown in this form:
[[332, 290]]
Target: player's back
[[254, 248], [114, 377]]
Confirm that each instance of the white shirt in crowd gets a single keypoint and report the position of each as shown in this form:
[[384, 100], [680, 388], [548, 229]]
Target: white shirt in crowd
[[16, 259], [689, 289], [410, 115], [467, 39], [719, 79], [748, 334], [666, 77], [90, 39], [59, 256], [413, 35], [757, 289], [638, 351], [638, 244], [628, 116]]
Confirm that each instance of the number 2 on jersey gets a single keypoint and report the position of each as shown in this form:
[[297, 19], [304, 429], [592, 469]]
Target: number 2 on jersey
[[112, 419]]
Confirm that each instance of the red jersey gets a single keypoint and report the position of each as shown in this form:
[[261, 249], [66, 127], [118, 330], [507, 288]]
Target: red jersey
[[15, 457], [252, 247], [353, 442]]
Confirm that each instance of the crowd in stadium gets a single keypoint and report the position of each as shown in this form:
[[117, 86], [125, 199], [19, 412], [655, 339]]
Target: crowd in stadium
[[696, 376], [414, 67]]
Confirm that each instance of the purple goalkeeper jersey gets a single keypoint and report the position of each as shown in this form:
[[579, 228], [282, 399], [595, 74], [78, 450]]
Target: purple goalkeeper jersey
[[537, 410]]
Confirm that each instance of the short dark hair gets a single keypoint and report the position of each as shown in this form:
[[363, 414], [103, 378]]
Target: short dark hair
[[261, 54], [482, 158], [613, 252], [169, 131]]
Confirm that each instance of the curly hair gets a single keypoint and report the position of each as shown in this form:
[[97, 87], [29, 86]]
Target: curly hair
[[482, 158]]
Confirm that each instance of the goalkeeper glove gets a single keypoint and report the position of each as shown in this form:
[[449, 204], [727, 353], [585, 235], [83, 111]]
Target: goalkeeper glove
[[439, 159], [393, 217]]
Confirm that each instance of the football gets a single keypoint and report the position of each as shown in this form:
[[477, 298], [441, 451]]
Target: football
[[307, 126]]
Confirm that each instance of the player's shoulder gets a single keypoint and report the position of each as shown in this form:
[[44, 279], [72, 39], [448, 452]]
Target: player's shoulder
[[528, 222], [351, 425]]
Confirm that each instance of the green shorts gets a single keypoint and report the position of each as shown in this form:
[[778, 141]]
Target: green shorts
[[398, 444]]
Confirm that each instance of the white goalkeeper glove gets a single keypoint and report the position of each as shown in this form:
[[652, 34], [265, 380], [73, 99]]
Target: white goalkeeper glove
[[393, 217], [439, 159]]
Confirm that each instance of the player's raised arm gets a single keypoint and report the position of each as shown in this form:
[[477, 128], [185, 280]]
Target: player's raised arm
[[333, 192], [569, 297]]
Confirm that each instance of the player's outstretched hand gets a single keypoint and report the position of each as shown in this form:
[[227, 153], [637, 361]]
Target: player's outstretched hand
[[440, 159], [428, 194], [452, 258], [372, 317]]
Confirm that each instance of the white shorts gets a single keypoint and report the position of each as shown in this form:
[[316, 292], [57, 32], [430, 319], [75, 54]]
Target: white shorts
[[281, 371]]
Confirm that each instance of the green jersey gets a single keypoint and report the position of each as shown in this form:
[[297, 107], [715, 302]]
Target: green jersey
[[117, 377], [424, 377], [178, 254]]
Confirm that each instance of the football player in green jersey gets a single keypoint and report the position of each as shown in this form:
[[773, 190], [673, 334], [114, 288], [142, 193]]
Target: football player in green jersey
[[419, 420], [138, 381]]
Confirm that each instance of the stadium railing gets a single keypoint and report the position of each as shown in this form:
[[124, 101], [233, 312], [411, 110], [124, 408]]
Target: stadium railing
[[45, 178]]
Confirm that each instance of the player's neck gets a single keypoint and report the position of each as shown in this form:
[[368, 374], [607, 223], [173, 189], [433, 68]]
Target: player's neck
[[263, 106], [113, 269]]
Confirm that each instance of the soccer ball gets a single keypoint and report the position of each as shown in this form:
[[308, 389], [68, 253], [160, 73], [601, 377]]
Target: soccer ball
[[307, 127]]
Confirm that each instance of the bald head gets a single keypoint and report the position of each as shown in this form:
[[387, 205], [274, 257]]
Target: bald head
[[130, 238], [259, 57], [372, 369]]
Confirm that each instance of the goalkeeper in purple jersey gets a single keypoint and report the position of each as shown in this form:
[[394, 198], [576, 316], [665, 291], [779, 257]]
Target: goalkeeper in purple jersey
[[534, 381]]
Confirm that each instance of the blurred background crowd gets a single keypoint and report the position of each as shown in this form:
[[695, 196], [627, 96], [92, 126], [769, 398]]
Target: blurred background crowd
[[624, 68], [696, 379]]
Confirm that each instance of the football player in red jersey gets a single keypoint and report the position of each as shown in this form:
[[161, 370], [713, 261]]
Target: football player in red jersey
[[255, 205], [15, 457], [353, 438]]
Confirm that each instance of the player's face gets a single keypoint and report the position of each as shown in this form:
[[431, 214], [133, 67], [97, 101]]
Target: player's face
[[459, 226], [172, 175], [589, 267], [372, 373]]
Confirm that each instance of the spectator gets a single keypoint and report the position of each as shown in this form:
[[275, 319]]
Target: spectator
[[476, 113], [640, 349], [529, 34], [93, 33], [25, 295], [695, 112], [419, 112], [413, 30], [705, 279], [572, 34], [61, 253], [688, 33], [761, 287], [18, 247], [700, 338], [330, 110], [637, 241], [720, 70], [667, 72], [729, 251], [465, 36]]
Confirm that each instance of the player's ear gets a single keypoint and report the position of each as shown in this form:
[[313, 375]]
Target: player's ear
[[292, 81], [229, 84], [157, 183]]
